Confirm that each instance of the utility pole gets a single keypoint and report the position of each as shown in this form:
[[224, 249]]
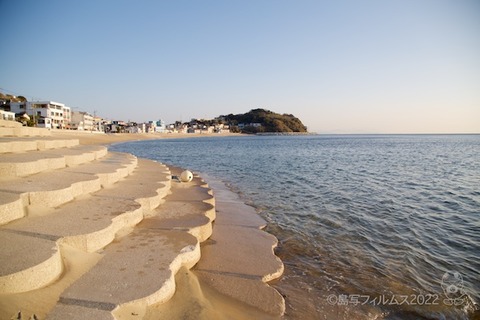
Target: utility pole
[[94, 120], [33, 113]]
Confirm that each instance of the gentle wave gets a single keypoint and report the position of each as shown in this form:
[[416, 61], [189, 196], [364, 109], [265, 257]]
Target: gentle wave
[[355, 215]]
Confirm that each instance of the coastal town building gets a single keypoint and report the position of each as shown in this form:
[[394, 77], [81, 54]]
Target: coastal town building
[[60, 115], [183, 128], [44, 123], [150, 127], [253, 125], [116, 126], [99, 124], [160, 126], [7, 115], [142, 127], [222, 128], [133, 127], [172, 128], [82, 121]]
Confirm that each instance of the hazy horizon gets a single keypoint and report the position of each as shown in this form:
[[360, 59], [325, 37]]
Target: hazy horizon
[[370, 67]]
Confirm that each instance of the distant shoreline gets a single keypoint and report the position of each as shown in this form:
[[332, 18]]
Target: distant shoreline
[[86, 137], [286, 134]]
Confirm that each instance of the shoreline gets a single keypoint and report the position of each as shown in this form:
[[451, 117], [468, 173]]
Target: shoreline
[[100, 138], [214, 290], [234, 276]]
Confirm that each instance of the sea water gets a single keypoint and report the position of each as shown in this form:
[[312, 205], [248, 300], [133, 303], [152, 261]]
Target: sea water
[[369, 227]]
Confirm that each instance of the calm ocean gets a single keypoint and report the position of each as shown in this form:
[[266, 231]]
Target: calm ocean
[[370, 227]]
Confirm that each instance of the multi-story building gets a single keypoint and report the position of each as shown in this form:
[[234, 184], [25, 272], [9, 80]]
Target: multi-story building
[[150, 127], [116, 126], [82, 121], [98, 124], [67, 117], [60, 115]]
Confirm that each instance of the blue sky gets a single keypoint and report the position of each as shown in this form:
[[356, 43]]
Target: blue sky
[[373, 66]]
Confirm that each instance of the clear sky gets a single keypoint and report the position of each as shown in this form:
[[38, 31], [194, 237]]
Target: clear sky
[[370, 66]]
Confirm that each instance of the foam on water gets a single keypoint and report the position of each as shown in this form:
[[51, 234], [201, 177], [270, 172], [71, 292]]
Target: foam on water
[[356, 216]]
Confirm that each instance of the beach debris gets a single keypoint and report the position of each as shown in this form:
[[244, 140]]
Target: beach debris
[[186, 176], [18, 316]]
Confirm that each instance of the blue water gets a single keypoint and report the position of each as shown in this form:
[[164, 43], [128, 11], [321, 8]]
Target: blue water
[[359, 218]]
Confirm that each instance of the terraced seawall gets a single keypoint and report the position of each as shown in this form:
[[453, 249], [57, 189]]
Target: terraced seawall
[[90, 234]]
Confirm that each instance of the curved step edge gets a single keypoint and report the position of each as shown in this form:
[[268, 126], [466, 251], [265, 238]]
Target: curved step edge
[[49, 270], [17, 207], [35, 277], [188, 257], [99, 239]]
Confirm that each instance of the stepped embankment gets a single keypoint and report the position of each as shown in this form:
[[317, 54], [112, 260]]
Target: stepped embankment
[[87, 233]]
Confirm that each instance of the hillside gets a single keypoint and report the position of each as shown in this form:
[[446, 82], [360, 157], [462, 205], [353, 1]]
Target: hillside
[[9, 98], [261, 120]]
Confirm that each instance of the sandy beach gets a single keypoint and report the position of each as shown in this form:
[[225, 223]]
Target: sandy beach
[[99, 138]]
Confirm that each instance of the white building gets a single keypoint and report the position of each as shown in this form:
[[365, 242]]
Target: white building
[[150, 127], [160, 126], [59, 114], [222, 128], [82, 121], [7, 115], [98, 124], [142, 128], [44, 123]]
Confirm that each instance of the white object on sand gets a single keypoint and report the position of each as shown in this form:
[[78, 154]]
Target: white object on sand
[[186, 176]]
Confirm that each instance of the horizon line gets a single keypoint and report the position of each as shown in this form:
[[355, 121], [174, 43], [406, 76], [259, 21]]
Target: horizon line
[[400, 133]]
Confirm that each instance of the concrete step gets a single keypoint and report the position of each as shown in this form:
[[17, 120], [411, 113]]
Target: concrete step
[[139, 269], [34, 260], [87, 224], [152, 182], [192, 217], [16, 145], [21, 196], [238, 233], [24, 132], [110, 169], [25, 164], [201, 191], [190, 208]]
